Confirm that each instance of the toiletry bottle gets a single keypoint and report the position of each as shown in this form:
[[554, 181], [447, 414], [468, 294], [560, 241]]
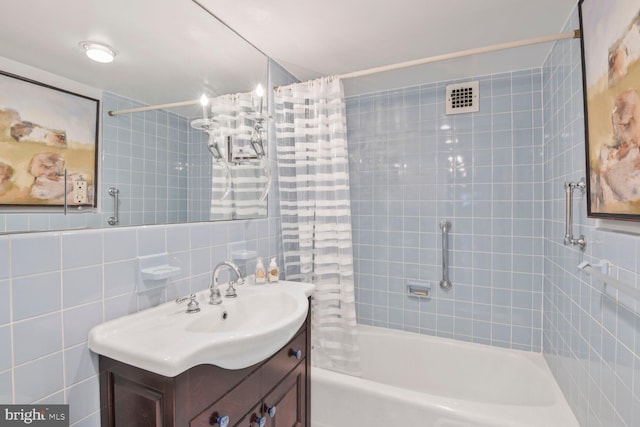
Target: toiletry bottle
[[260, 273], [274, 271]]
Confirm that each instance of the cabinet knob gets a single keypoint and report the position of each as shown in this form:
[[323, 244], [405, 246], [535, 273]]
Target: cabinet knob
[[259, 421], [270, 410], [222, 421], [295, 353]]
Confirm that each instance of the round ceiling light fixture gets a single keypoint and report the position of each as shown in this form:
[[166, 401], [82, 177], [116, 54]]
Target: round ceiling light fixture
[[98, 52]]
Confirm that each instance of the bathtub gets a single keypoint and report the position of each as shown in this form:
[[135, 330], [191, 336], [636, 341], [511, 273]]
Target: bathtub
[[418, 380]]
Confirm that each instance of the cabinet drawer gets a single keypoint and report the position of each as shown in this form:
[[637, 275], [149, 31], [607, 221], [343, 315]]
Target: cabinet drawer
[[234, 404], [283, 361], [249, 419]]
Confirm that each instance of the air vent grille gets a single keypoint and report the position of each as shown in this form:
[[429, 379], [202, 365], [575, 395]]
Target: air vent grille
[[463, 98]]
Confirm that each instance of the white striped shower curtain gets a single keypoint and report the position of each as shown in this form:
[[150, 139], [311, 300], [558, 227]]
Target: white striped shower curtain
[[315, 207], [248, 180]]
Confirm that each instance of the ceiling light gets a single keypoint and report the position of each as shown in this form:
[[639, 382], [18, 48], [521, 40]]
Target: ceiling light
[[98, 52]]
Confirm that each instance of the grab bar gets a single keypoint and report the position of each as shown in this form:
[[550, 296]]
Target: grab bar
[[445, 226], [113, 220], [569, 239]]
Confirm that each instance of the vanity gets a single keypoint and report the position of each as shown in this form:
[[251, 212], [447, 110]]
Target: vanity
[[147, 384]]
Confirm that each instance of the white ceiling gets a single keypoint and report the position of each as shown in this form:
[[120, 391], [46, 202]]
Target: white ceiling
[[172, 50], [319, 38], [168, 50]]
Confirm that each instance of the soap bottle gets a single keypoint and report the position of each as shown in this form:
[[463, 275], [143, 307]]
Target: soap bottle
[[274, 271], [260, 273]]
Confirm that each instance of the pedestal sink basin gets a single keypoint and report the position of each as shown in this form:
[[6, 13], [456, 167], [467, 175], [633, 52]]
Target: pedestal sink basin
[[236, 334]]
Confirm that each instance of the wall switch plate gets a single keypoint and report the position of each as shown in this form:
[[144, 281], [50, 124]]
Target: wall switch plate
[[80, 191]]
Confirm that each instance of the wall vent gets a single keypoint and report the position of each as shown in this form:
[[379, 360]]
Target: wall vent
[[463, 98]]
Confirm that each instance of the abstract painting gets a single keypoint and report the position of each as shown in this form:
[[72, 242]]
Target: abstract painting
[[48, 145]]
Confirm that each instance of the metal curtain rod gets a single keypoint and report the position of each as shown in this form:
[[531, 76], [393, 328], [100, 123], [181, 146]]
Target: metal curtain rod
[[154, 107], [575, 34]]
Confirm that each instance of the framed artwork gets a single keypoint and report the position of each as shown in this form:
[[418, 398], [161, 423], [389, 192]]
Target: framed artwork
[[611, 81], [48, 145]]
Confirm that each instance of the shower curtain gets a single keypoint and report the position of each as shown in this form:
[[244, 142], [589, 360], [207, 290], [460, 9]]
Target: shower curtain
[[313, 168], [234, 114]]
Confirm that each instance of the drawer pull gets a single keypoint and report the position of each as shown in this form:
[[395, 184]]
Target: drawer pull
[[295, 353], [270, 410], [258, 421], [221, 421]]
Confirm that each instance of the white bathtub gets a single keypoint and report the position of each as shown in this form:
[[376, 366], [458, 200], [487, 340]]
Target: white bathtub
[[417, 380]]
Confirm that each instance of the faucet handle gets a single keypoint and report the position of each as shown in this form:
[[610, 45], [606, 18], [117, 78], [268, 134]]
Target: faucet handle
[[192, 306], [215, 298], [231, 290]]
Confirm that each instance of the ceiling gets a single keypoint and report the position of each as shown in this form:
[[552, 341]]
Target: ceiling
[[168, 50], [173, 50], [313, 39]]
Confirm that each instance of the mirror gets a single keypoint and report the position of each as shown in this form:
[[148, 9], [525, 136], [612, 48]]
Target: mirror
[[233, 155], [166, 52]]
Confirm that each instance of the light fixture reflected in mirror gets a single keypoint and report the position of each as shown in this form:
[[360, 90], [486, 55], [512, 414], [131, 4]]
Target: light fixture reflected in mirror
[[256, 135], [204, 101], [258, 99], [98, 52], [211, 127]]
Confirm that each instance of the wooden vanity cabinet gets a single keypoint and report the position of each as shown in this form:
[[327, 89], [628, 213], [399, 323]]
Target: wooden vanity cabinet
[[133, 397]]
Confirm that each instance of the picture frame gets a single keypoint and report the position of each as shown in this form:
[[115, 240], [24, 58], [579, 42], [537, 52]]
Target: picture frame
[[610, 47], [48, 145]]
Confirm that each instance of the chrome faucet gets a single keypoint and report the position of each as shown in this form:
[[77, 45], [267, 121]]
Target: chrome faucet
[[215, 297]]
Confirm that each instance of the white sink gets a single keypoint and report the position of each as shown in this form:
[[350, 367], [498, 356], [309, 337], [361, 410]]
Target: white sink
[[236, 334]]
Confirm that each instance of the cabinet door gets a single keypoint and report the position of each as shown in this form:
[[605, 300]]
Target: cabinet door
[[289, 400], [135, 405]]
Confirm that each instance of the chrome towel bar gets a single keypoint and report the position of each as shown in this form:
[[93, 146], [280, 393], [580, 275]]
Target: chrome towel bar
[[569, 238], [599, 271]]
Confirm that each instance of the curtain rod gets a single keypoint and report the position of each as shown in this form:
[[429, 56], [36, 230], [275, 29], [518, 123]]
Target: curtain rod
[[154, 107], [575, 34]]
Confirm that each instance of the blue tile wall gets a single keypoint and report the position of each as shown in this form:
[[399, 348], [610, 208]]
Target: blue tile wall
[[591, 338], [48, 309], [412, 166], [54, 286], [144, 155], [200, 175]]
